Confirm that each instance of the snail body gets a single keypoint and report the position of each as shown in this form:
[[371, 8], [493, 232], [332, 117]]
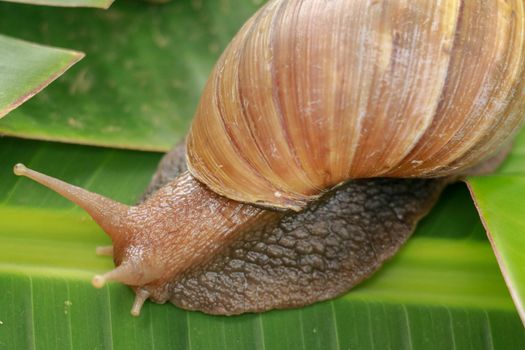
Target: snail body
[[308, 97], [291, 259]]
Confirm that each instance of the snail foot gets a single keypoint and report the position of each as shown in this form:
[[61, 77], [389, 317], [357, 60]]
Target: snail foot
[[140, 297], [104, 250]]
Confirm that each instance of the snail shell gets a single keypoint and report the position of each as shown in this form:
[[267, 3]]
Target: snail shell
[[313, 93]]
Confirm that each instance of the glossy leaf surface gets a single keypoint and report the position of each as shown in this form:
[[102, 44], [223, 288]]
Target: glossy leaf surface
[[499, 198], [444, 288]]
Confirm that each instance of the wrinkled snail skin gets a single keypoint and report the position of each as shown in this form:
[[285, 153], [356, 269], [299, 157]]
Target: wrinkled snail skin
[[294, 259], [259, 259], [314, 102]]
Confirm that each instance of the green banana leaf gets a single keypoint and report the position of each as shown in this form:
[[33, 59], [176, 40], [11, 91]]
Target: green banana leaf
[[27, 68], [444, 287]]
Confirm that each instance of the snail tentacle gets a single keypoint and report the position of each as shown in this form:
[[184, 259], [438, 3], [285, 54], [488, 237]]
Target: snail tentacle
[[141, 295], [104, 250]]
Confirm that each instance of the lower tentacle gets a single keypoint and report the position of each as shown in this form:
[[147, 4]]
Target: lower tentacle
[[140, 297]]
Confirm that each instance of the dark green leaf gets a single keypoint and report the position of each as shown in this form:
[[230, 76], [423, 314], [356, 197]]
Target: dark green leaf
[[144, 71], [27, 68]]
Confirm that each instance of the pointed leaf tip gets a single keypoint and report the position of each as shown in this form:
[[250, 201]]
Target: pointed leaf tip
[[102, 4], [27, 68]]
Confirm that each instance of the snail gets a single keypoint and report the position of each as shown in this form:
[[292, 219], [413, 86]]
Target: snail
[[326, 130]]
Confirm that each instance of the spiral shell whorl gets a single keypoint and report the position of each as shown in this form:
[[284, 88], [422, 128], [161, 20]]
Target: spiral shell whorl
[[312, 93]]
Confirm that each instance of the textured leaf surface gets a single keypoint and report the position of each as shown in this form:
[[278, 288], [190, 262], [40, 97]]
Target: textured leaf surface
[[443, 290], [27, 68], [139, 84], [499, 199], [68, 3]]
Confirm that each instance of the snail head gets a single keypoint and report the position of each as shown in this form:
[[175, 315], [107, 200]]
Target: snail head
[[137, 264], [180, 226]]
